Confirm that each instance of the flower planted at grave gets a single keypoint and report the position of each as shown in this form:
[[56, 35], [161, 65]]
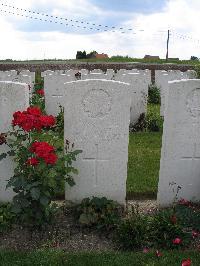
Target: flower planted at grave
[[40, 165]]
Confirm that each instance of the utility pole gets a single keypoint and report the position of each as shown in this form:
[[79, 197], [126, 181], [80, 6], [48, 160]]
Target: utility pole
[[168, 34]]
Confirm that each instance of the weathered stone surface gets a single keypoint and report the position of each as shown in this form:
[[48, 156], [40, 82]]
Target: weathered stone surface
[[97, 115], [46, 73], [180, 156], [162, 79], [13, 97], [53, 88], [139, 92]]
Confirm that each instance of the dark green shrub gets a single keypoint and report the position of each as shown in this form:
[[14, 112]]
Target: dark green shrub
[[154, 94], [154, 122], [132, 232], [140, 125], [60, 122], [6, 216], [188, 216], [165, 227], [98, 212]]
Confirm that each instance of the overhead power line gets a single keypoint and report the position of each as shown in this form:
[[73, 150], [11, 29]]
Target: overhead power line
[[94, 26], [67, 22]]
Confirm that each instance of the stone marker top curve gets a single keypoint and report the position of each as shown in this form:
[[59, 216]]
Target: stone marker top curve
[[100, 80]]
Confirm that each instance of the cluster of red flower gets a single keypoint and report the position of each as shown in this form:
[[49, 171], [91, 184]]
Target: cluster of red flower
[[32, 119], [40, 92], [43, 151]]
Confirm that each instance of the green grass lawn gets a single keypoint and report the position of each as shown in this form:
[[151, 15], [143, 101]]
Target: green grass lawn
[[144, 159], [60, 258], [144, 163]]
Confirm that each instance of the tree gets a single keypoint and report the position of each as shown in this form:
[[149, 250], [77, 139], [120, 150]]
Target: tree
[[91, 54], [193, 58], [81, 55]]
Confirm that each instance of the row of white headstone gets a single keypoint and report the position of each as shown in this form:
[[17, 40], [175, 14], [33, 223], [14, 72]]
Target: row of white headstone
[[97, 116], [163, 77], [24, 76], [139, 81]]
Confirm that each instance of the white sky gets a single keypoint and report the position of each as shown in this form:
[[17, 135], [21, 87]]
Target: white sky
[[22, 38]]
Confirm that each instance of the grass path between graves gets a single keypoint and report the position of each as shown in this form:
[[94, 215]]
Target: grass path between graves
[[143, 164], [60, 258]]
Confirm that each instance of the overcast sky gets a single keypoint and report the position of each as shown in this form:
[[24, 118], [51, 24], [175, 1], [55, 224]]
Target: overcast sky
[[144, 23]]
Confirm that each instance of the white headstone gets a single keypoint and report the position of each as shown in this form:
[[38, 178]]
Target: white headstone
[[47, 72], [53, 88], [13, 97], [96, 71], [180, 156], [97, 114], [162, 79], [28, 73], [139, 93]]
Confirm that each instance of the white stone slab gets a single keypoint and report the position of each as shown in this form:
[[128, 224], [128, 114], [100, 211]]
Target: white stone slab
[[53, 88], [97, 115], [96, 71], [180, 156], [46, 73], [28, 73], [162, 79], [139, 93], [13, 97]]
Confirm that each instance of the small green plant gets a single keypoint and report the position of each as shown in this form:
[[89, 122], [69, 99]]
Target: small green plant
[[167, 230], [98, 212], [60, 121], [188, 215], [154, 122], [132, 232], [6, 216], [153, 94], [37, 98]]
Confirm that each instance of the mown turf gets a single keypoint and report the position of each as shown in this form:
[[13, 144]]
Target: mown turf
[[58, 258], [144, 159], [144, 162]]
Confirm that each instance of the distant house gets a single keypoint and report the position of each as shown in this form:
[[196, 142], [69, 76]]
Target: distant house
[[147, 56], [100, 56], [174, 58]]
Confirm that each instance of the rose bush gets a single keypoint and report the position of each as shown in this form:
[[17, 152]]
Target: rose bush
[[40, 165]]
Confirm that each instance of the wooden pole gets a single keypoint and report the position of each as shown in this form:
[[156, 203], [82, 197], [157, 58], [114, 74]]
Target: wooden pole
[[167, 54]]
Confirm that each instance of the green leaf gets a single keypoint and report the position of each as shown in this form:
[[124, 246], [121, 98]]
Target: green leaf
[[16, 208], [44, 201], [11, 153], [3, 156], [70, 181], [35, 193], [76, 152]]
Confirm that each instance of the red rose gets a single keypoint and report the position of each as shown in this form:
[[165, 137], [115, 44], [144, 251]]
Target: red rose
[[177, 241], [51, 158], [32, 161], [184, 202], [40, 92], [32, 119], [158, 253], [44, 151], [186, 262], [173, 219], [195, 234], [34, 111], [47, 121]]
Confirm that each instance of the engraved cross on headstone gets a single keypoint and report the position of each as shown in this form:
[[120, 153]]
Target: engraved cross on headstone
[[96, 160], [194, 156]]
